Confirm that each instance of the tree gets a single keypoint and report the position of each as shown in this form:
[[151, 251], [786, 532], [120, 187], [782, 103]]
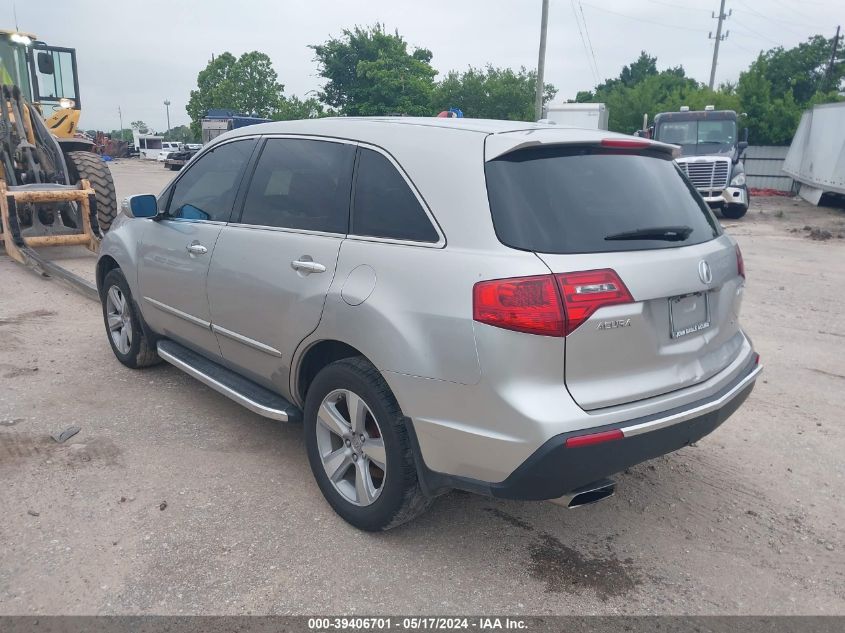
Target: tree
[[490, 93], [247, 84], [781, 83], [773, 92], [803, 69], [291, 108], [640, 88], [140, 126], [121, 135], [371, 72], [182, 134]]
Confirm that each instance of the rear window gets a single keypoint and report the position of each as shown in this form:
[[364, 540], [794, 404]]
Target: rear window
[[569, 200]]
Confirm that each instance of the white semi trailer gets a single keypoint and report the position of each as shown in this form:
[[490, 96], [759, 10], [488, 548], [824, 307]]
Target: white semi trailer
[[585, 115]]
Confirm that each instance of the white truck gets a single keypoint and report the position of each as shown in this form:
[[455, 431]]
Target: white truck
[[585, 115]]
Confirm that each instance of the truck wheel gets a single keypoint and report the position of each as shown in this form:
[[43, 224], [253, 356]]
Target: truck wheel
[[91, 166], [734, 211], [358, 447]]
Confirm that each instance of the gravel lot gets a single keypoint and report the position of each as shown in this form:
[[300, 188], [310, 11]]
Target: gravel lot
[[172, 499]]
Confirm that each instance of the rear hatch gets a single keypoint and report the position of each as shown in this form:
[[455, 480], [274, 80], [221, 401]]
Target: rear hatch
[[659, 311]]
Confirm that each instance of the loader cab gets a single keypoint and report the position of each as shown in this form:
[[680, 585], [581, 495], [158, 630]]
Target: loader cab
[[55, 82], [47, 77], [14, 60]]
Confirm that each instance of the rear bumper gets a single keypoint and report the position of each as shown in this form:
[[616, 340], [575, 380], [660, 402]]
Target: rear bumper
[[554, 469]]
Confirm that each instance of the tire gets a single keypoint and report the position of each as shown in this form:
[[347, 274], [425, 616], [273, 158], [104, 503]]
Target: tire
[[91, 166], [117, 303], [734, 211], [396, 496]]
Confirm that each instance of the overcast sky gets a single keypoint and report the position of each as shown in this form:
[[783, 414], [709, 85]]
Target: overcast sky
[[135, 54]]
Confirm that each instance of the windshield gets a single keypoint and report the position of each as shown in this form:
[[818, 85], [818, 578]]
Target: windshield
[[13, 66], [707, 136], [588, 200]]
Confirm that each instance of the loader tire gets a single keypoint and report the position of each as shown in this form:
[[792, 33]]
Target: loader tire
[[91, 166]]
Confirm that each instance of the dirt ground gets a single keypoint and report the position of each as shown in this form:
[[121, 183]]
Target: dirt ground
[[172, 499]]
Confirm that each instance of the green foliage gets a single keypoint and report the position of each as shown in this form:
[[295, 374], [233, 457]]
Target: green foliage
[[247, 84], [780, 84], [293, 108], [121, 135], [775, 89], [371, 72], [490, 93], [182, 134], [142, 127]]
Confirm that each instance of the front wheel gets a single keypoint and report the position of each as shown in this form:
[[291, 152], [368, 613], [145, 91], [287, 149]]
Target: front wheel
[[127, 338], [734, 211], [358, 447]]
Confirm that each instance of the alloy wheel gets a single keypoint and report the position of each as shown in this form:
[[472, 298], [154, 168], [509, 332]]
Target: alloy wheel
[[351, 447], [119, 319]]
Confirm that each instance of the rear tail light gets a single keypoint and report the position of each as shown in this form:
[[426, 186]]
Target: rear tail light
[[550, 305], [585, 292], [593, 438], [524, 304], [740, 265]]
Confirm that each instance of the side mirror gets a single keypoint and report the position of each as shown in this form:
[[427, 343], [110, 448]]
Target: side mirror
[[741, 147], [45, 63], [144, 205], [745, 135]]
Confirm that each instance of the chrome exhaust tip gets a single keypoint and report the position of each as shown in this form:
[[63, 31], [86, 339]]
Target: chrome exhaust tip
[[586, 495]]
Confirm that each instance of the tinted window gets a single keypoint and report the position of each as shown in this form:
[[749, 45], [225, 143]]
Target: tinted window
[[301, 184], [207, 190], [556, 200], [384, 205]]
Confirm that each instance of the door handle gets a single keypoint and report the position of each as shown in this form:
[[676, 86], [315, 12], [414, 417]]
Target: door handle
[[307, 266], [196, 249]]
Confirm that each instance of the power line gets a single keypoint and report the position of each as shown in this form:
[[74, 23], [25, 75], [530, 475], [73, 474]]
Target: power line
[[679, 7], [780, 22], [590, 42], [583, 42], [751, 31], [676, 27]]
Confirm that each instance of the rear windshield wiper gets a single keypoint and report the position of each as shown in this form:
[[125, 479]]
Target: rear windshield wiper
[[667, 233]]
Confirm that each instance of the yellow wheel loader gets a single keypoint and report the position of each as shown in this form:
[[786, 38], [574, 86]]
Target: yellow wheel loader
[[54, 190]]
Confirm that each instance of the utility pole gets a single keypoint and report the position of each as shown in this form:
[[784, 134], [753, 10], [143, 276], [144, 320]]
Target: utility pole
[[120, 114], [719, 37], [167, 107], [833, 55], [541, 62]]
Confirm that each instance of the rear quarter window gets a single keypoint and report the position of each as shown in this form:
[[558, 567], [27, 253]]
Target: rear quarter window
[[569, 200], [384, 205]]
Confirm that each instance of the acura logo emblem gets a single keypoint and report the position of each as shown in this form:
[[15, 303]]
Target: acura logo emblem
[[704, 272]]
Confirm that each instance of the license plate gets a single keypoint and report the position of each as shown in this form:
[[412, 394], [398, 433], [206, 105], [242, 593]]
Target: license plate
[[689, 314]]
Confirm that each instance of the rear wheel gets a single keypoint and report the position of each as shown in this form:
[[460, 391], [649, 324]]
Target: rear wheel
[[91, 166], [358, 447]]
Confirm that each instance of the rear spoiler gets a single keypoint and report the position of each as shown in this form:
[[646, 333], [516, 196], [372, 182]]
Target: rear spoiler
[[498, 145]]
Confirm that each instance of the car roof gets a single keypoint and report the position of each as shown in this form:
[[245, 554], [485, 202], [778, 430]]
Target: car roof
[[502, 136]]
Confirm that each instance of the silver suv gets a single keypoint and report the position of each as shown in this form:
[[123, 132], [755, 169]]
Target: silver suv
[[513, 309]]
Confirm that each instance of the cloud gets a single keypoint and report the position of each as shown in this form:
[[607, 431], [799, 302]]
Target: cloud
[[135, 54]]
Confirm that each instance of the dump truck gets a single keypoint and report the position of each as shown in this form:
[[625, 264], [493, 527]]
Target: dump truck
[[54, 189]]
